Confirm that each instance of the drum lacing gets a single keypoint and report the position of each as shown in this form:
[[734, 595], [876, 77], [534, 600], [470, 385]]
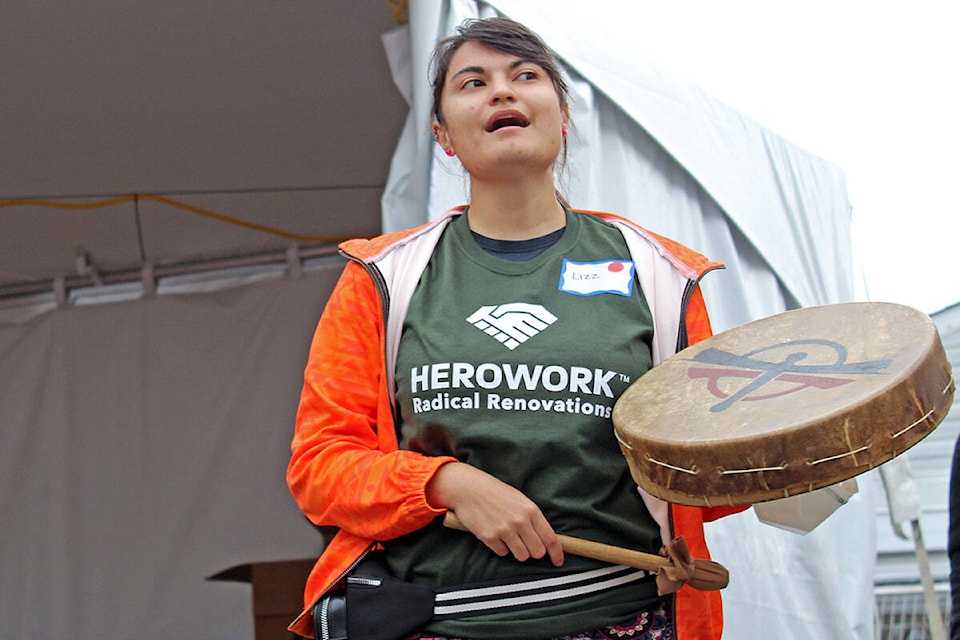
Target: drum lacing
[[839, 455], [622, 442], [692, 472], [907, 428], [727, 472], [946, 389]]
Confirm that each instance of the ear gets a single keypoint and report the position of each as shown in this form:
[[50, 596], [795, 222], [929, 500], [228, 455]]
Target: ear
[[440, 135]]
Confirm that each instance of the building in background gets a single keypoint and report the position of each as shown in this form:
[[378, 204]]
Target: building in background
[[901, 613]]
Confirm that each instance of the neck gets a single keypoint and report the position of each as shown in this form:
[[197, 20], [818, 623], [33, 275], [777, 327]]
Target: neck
[[517, 211]]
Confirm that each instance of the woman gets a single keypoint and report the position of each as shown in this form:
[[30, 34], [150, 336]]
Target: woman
[[472, 364]]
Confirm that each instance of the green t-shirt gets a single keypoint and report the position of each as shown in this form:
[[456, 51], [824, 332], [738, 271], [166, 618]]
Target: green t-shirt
[[518, 365]]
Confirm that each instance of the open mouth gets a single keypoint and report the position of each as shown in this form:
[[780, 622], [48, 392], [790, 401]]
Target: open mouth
[[506, 119]]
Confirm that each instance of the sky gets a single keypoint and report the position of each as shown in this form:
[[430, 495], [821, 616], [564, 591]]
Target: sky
[[870, 86]]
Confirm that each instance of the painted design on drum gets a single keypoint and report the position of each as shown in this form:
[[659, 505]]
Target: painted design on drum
[[788, 370]]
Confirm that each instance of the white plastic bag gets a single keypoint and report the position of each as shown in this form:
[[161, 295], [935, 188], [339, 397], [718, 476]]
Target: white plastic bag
[[803, 512]]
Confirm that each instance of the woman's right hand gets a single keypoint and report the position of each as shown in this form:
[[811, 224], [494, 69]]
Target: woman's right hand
[[502, 517]]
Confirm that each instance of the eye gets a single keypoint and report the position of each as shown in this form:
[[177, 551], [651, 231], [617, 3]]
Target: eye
[[472, 83], [528, 75]]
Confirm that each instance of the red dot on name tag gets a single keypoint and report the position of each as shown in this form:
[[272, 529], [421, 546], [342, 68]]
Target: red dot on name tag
[[615, 266]]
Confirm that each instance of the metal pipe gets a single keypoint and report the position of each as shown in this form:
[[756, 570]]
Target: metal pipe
[[123, 276]]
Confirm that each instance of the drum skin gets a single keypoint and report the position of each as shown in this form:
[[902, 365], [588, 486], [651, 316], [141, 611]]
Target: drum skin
[[785, 405]]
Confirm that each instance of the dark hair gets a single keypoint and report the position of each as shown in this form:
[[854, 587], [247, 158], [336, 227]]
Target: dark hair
[[499, 34]]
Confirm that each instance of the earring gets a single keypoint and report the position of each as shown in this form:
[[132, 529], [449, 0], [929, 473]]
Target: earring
[[564, 132], [449, 152]]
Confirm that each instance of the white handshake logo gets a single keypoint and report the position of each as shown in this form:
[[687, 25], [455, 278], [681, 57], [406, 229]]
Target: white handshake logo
[[513, 323]]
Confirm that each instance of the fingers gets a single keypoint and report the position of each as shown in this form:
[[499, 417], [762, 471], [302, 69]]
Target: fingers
[[500, 516], [527, 542], [531, 538], [551, 543]]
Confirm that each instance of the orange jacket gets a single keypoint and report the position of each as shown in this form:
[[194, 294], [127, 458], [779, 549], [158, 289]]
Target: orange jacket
[[346, 469]]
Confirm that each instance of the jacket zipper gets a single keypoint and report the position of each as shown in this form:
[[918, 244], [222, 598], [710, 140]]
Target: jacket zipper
[[380, 284], [683, 340], [346, 572], [378, 281], [324, 622], [324, 628]]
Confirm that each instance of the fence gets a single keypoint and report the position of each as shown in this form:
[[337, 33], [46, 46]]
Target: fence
[[900, 611]]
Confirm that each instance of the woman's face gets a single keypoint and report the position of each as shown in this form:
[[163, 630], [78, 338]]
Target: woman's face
[[502, 114]]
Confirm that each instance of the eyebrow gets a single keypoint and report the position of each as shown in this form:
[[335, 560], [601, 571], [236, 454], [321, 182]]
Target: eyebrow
[[477, 69]]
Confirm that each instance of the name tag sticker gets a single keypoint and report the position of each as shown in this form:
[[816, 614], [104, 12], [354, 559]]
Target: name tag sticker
[[593, 278]]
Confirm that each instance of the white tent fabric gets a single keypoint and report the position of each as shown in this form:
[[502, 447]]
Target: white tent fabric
[[143, 450], [684, 165]]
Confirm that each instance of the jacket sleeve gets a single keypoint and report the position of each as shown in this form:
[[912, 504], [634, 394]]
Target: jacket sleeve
[[345, 469]]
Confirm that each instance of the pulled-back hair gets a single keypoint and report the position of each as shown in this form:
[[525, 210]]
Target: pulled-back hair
[[499, 34]]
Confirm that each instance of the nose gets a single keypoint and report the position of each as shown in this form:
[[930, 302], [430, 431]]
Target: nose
[[501, 91]]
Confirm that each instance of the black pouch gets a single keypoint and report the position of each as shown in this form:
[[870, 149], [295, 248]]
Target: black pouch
[[375, 605]]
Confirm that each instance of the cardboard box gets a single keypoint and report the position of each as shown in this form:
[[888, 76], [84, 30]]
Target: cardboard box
[[277, 593]]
